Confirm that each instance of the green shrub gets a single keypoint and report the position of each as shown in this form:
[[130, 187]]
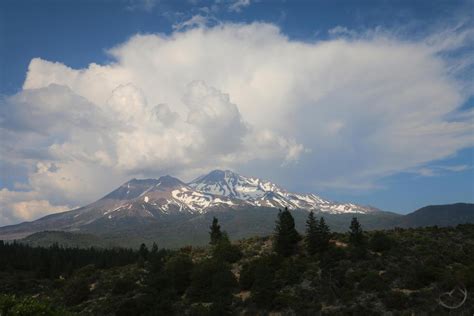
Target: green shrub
[[373, 283], [123, 285], [6, 303], [225, 251], [28, 306], [395, 300], [128, 308], [211, 281], [76, 291], [178, 269], [380, 242], [264, 287], [247, 276]]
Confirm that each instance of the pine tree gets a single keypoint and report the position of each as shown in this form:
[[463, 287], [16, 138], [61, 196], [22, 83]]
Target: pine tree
[[356, 236], [215, 233], [324, 235], [143, 252], [312, 237], [154, 249], [286, 236]]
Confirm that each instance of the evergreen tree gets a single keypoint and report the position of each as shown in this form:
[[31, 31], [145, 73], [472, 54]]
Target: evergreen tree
[[324, 235], [317, 235], [215, 233], [143, 252], [286, 236], [356, 236], [154, 249], [311, 240]]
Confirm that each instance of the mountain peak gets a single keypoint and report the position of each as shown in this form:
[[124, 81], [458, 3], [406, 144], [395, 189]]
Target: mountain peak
[[135, 181], [230, 184], [216, 176], [169, 181]]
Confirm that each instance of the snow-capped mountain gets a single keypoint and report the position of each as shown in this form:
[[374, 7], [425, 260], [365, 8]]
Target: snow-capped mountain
[[217, 190], [257, 192], [138, 203], [152, 198]]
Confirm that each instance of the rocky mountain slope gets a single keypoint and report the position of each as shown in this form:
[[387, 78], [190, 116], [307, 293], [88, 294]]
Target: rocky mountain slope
[[215, 191], [138, 203], [175, 213]]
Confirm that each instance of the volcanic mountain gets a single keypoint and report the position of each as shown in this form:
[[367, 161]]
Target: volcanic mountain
[[174, 213], [168, 199], [218, 190]]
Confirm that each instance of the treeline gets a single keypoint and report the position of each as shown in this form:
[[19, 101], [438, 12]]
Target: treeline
[[56, 261], [318, 235]]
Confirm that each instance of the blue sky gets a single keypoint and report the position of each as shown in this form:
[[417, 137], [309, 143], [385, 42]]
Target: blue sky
[[78, 33]]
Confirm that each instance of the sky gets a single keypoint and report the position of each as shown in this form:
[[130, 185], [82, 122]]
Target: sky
[[370, 102]]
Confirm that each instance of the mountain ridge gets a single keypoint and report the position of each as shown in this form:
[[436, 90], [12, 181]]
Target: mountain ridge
[[171, 210]]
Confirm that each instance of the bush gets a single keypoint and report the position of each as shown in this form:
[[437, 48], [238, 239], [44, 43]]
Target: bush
[[380, 242], [247, 276], [333, 256], [290, 272], [6, 303], [225, 251], [123, 286], [76, 291], [395, 300], [179, 269], [128, 308], [211, 281], [264, 285], [373, 283], [10, 305]]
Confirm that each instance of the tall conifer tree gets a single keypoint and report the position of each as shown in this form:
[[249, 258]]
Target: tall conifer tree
[[324, 235], [286, 236], [311, 240], [215, 233], [356, 234]]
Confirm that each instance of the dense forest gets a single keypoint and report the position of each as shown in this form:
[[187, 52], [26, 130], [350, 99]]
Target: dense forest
[[404, 271]]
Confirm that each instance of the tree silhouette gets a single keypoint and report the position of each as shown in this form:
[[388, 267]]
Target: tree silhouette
[[312, 234], [317, 235], [324, 235], [356, 234], [215, 233], [286, 236], [154, 249], [143, 251]]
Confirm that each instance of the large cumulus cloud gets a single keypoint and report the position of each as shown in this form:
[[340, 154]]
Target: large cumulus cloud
[[340, 113]]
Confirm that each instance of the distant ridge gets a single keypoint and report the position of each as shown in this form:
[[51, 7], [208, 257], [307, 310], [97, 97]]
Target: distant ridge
[[441, 215]]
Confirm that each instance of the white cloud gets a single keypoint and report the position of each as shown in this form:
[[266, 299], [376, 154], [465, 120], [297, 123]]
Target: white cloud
[[432, 171], [141, 5], [197, 20], [24, 206], [336, 113], [238, 5], [341, 31]]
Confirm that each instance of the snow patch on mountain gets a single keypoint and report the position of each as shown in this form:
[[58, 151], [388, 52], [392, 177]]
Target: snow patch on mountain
[[257, 192], [218, 190]]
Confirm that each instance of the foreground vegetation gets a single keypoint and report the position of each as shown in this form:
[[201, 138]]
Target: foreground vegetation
[[402, 271]]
